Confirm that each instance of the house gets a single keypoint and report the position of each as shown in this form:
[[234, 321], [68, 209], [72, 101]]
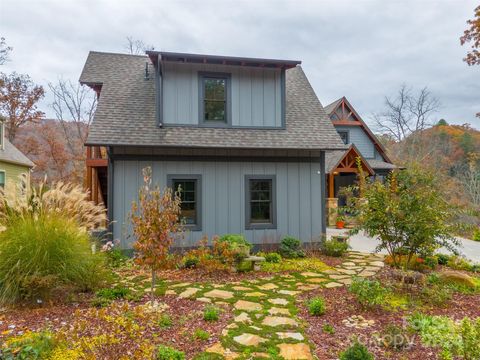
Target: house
[[244, 137], [14, 168], [341, 165]]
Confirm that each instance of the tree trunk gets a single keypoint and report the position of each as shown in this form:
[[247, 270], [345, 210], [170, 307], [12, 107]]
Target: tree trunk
[[152, 289]]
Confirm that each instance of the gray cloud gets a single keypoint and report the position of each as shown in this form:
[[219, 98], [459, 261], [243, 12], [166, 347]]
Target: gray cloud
[[361, 49]]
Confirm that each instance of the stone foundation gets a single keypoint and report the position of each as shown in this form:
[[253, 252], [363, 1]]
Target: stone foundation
[[332, 207]]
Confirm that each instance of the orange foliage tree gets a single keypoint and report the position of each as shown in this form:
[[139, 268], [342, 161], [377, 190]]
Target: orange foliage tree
[[156, 224], [18, 101], [472, 35]]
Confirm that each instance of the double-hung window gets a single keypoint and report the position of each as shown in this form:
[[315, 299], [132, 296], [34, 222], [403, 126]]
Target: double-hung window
[[260, 204], [214, 98], [189, 188]]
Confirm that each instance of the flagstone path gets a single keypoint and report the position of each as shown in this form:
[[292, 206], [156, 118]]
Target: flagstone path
[[264, 309]]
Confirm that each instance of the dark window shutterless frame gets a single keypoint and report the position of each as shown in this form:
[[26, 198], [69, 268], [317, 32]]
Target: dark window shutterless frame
[[191, 195], [260, 202]]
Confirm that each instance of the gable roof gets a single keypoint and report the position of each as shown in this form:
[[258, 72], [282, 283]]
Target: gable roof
[[125, 113], [334, 158], [11, 154], [331, 108]]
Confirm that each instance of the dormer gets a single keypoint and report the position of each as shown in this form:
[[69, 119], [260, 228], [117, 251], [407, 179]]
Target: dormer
[[219, 91]]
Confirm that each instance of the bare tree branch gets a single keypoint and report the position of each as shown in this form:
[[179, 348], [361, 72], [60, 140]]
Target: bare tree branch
[[407, 113], [4, 51], [136, 47]]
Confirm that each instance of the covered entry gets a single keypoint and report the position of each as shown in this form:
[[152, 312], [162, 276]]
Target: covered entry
[[341, 170]]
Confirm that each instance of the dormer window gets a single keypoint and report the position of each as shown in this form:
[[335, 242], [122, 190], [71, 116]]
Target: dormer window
[[214, 98]]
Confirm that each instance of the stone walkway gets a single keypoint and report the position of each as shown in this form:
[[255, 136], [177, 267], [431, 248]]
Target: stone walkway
[[264, 309]]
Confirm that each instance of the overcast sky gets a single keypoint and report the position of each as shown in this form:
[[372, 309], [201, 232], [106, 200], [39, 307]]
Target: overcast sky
[[364, 50]]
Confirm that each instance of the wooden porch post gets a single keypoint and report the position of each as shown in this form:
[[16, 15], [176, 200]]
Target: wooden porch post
[[331, 191], [89, 173]]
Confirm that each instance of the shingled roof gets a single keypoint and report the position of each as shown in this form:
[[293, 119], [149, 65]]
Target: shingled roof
[[11, 154], [125, 113]]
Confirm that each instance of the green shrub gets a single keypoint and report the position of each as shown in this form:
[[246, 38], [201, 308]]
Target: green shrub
[[44, 253], [237, 244], [273, 257], [431, 262], [369, 293], [31, 346], [476, 234], [114, 293], [329, 329], [165, 321], [443, 259], [115, 257], [356, 351], [459, 263], [169, 353], [291, 248], [436, 294], [455, 340], [200, 334], [395, 337], [190, 262], [316, 306], [334, 248], [211, 313]]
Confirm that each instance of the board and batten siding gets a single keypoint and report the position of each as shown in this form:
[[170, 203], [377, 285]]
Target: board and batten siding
[[359, 137], [298, 197], [255, 94]]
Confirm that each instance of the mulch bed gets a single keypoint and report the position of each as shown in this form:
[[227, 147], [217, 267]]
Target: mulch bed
[[186, 316], [341, 304]]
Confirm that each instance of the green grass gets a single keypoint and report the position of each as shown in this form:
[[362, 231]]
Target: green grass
[[211, 313], [297, 265]]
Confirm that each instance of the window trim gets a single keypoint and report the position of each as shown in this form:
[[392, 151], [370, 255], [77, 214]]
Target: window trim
[[346, 132], [198, 194], [249, 225], [202, 75], [2, 135]]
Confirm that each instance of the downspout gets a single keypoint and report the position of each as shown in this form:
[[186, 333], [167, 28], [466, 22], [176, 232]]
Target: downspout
[[323, 186], [159, 92], [110, 190]]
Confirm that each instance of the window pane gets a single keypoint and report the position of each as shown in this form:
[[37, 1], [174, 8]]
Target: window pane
[[214, 110], [260, 201], [214, 89], [344, 136], [260, 213], [188, 205], [2, 179]]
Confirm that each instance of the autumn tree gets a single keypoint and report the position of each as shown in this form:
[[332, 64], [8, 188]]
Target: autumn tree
[[471, 36], [136, 47], [471, 179], [156, 224], [4, 51], [74, 106], [19, 96]]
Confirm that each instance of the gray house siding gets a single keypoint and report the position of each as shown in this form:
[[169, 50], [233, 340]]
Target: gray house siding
[[256, 94], [298, 197], [361, 140]]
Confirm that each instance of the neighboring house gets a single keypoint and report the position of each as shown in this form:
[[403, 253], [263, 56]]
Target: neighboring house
[[14, 168], [341, 166], [244, 137]]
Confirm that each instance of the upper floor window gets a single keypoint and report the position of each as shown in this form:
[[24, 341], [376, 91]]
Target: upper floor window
[[214, 98], [344, 136]]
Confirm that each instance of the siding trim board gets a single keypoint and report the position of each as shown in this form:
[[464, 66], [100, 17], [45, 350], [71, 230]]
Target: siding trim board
[[127, 157]]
